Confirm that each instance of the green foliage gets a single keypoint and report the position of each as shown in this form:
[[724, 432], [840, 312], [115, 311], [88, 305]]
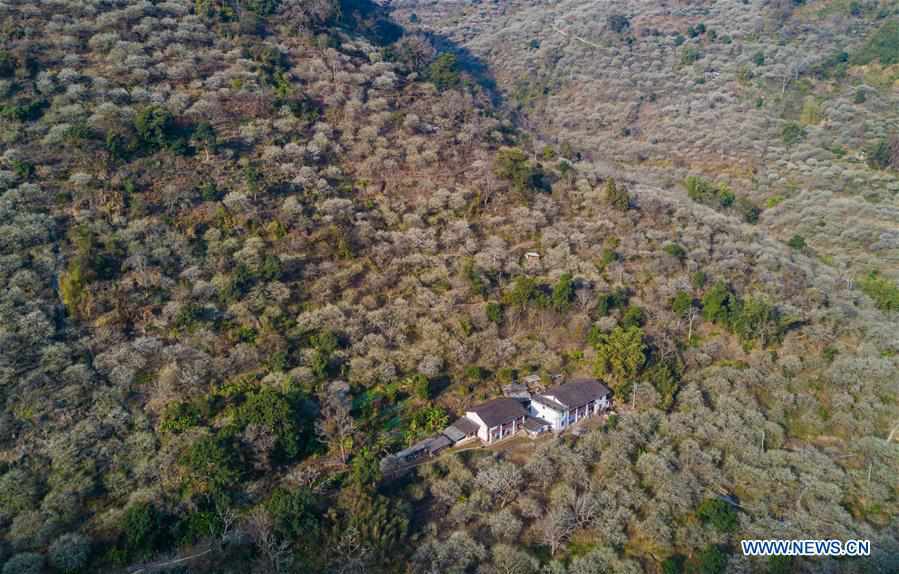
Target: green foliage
[[703, 191], [676, 250], [18, 492], [752, 318], [295, 513], [24, 563], [719, 304], [524, 176], [157, 129], [606, 302], [673, 564], [711, 560], [523, 292], [759, 58], [444, 71], [476, 280], [793, 133], [563, 293], [212, 466], [681, 303], [633, 316], [495, 312], [24, 111], [617, 196], [883, 46], [365, 469], [422, 422], [797, 242], [420, 385], [748, 211], [275, 412], [380, 522], [665, 379], [70, 553], [718, 513], [884, 292], [180, 416], [781, 565], [620, 355], [884, 154], [142, 530], [96, 258], [698, 279], [811, 113], [324, 344], [690, 55]]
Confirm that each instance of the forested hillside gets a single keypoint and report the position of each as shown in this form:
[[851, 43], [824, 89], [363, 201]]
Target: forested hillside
[[249, 247]]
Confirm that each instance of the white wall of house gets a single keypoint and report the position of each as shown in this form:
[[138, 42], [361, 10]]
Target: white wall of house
[[548, 414], [559, 419], [482, 426]]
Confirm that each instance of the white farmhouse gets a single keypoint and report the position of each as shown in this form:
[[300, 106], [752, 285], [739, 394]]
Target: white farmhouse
[[566, 404], [498, 418]]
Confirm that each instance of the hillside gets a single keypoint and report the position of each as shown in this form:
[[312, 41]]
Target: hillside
[[251, 247]]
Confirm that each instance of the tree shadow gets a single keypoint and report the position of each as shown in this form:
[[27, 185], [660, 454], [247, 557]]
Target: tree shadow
[[470, 63], [375, 23]]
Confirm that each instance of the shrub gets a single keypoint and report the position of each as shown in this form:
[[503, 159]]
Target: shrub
[[142, 530], [690, 55], [70, 552], [25, 563], [212, 466], [443, 72], [882, 46], [495, 312], [884, 292], [512, 165], [797, 242], [676, 250], [563, 293], [718, 513], [884, 154], [793, 133], [711, 560]]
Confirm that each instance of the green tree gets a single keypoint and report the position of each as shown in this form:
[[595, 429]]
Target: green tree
[[718, 513], [711, 560], [523, 292], [793, 133], [70, 552], [24, 563], [444, 71], [563, 293], [719, 304], [884, 292], [212, 466], [495, 312], [681, 303], [513, 165], [620, 355]]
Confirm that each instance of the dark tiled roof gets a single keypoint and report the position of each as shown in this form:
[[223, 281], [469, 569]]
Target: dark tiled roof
[[438, 443], [535, 424], [578, 392], [549, 402], [464, 426], [499, 411]]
